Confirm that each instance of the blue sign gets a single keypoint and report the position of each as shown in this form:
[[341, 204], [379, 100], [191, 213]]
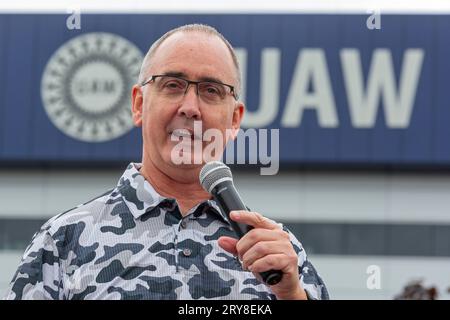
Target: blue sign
[[339, 93]]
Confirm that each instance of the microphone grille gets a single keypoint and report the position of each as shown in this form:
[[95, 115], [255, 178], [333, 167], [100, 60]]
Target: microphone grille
[[212, 173]]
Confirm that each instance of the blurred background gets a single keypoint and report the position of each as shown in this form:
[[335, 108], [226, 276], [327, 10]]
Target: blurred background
[[359, 91]]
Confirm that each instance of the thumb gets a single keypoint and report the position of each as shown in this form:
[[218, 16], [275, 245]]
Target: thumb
[[228, 244]]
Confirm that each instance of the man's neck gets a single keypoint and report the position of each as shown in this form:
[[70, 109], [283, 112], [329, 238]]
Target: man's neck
[[187, 192]]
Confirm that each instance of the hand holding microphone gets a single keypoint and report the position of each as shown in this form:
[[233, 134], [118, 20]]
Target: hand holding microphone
[[264, 247]]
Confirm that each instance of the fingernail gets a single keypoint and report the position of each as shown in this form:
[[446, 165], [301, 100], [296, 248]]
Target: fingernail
[[250, 268], [236, 214]]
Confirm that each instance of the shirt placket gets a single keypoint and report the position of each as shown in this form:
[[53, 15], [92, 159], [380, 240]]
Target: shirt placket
[[180, 236]]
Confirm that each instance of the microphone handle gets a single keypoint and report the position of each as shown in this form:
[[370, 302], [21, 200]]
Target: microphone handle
[[229, 200]]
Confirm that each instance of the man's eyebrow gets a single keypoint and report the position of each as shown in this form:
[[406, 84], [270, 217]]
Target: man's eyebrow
[[212, 79], [184, 75], [174, 74]]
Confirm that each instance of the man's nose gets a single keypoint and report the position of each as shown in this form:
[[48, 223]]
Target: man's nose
[[190, 107]]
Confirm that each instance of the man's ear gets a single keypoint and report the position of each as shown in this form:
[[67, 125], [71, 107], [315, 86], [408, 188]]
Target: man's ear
[[238, 114], [137, 104]]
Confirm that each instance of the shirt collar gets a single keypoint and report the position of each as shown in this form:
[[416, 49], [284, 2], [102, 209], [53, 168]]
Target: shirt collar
[[140, 196]]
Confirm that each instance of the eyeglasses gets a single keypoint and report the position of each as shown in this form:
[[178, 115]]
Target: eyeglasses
[[174, 88]]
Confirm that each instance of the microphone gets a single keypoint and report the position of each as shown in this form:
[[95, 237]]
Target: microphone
[[216, 179]]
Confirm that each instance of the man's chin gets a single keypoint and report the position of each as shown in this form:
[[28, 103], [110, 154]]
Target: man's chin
[[186, 160], [186, 165]]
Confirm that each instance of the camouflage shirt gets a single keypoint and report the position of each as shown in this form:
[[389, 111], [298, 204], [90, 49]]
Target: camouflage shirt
[[132, 243]]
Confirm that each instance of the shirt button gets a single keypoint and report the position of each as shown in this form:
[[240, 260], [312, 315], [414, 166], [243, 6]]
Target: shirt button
[[187, 252], [183, 224]]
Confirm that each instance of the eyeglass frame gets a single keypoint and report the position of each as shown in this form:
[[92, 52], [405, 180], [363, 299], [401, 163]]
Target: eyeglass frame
[[189, 82]]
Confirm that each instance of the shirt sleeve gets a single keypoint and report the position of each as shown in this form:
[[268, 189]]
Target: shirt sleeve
[[38, 275], [310, 279]]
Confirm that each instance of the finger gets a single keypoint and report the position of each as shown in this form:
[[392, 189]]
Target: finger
[[278, 261], [264, 248], [253, 219], [228, 244], [258, 235]]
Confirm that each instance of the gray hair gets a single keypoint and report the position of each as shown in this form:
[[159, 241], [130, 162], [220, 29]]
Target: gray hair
[[189, 28]]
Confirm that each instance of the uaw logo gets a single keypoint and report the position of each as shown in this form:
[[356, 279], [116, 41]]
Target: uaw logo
[[86, 86]]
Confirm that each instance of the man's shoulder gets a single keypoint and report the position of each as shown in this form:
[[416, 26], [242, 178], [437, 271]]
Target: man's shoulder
[[87, 213]]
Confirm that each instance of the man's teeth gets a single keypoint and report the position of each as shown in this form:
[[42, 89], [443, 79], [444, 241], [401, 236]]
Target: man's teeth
[[182, 133]]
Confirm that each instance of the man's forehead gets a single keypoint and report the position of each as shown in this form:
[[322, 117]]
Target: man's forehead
[[193, 39], [179, 50]]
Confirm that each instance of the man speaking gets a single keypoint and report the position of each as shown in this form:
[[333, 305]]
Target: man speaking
[[158, 234]]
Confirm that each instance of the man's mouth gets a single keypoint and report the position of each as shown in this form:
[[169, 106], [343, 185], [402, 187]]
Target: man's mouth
[[185, 133]]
